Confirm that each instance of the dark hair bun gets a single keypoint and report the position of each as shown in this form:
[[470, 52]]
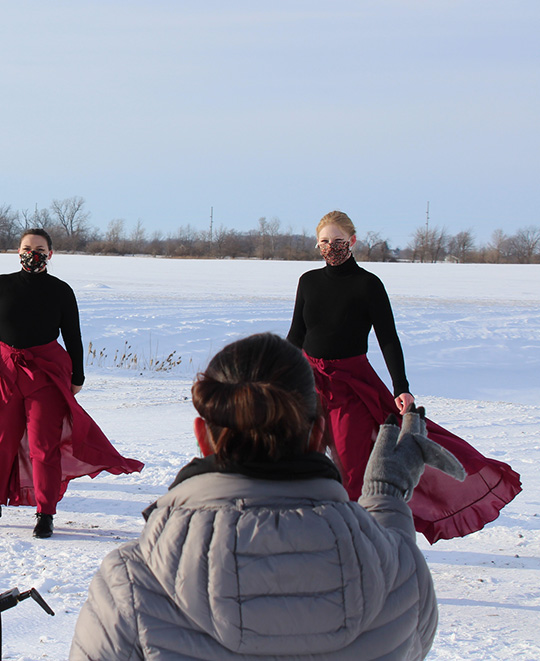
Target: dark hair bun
[[258, 398]]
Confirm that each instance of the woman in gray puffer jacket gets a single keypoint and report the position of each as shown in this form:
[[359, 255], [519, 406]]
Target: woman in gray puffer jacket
[[256, 551]]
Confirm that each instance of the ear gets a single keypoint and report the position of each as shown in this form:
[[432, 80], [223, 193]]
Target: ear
[[315, 443], [352, 240], [50, 254], [203, 436]]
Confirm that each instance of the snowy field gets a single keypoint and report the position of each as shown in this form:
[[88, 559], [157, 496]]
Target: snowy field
[[471, 337]]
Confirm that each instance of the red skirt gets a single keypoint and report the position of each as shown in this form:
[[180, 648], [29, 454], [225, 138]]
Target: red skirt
[[84, 448], [356, 402]]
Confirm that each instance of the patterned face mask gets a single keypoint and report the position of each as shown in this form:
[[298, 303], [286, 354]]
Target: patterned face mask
[[336, 253], [33, 261]]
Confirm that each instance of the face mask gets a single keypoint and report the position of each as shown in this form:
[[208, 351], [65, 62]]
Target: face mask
[[336, 253], [33, 261]]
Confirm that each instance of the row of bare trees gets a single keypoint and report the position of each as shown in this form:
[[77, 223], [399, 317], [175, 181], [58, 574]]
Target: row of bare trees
[[435, 244], [68, 222], [265, 242]]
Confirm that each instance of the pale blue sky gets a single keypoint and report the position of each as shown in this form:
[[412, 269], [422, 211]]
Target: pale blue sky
[[158, 110]]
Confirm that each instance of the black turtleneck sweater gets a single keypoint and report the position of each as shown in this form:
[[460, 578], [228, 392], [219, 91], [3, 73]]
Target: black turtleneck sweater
[[335, 309], [34, 309]]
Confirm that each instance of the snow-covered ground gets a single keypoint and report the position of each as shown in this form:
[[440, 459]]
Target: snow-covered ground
[[471, 337]]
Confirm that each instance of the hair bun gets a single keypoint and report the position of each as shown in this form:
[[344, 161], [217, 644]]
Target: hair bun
[[242, 406], [258, 397]]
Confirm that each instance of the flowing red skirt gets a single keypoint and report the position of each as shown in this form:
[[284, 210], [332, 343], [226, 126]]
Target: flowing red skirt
[[356, 402], [84, 448]]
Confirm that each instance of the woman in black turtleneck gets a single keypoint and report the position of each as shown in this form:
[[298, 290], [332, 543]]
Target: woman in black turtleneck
[[335, 309], [46, 438]]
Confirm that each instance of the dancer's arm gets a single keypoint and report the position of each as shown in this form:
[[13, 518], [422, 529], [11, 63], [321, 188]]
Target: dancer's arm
[[297, 331]]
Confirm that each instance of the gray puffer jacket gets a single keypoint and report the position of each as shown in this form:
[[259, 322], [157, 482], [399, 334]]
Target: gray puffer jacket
[[230, 567]]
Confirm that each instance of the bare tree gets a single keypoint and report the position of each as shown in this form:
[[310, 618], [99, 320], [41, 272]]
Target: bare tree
[[306, 246], [220, 241], [156, 244], [9, 227], [263, 238], [69, 215], [373, 248], [268, 234], [184, 244], [428, 245], [37, 218], [249, 241], [498, 250], [461, 245], [526, 244], [274, 233], [384, 253], [138, 237], [115, 237], [419, 245]]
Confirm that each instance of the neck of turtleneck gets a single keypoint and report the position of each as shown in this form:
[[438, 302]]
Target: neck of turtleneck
[[28, 275], [347, 268]]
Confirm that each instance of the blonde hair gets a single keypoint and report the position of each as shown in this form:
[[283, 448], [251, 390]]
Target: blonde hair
[[337, 218]]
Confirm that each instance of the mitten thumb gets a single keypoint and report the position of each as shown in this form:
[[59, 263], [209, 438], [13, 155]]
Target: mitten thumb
[[438, 457]]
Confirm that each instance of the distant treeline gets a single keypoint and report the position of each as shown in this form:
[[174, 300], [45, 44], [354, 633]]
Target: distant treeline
[[67, 221]]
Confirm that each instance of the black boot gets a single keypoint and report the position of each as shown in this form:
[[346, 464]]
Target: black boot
[[44, 526]]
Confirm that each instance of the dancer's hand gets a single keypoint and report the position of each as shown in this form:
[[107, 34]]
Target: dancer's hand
[[404, 401], [399, 457], [75, 389]]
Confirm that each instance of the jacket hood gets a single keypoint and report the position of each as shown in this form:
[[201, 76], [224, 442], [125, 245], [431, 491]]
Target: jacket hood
[[265, 567]]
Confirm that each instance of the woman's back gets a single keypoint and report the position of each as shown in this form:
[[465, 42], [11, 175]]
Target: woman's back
[[231, 567], [256, 551]]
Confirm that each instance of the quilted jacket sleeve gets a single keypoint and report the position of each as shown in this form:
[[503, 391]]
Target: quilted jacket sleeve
[[394, 515], [428, 616], [390, 512], [107, 624]]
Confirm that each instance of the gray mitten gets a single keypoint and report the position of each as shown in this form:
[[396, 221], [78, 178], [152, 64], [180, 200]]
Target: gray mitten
[[399, 456]]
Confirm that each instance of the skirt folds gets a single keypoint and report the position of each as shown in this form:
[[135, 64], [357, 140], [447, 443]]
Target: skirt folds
[[356, 402], [84, 448]]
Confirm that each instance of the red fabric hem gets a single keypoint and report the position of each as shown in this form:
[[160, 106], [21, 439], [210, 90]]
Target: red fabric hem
[[84, 448], [472, 516], [442, 507]]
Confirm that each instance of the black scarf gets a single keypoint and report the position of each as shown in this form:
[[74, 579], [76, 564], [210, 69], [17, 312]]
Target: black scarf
[[301, 467]]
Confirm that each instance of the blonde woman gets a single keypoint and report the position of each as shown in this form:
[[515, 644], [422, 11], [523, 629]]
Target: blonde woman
[[336, 308]]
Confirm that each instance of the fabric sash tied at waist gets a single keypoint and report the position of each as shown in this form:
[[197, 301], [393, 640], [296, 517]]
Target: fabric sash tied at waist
[[20, 358], [12, 359]]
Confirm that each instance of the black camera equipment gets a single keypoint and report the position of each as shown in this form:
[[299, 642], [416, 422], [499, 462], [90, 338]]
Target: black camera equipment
[[12, 597]]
